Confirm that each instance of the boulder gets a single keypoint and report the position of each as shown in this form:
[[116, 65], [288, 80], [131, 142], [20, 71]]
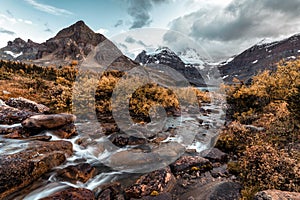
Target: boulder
[[218, 190], [10, 115], [20, 169], [26, 104], [40, 122], [72, 193], [65, 132], [215, 155], [81, 172], [110, 191], [276, 195], [152, 184], [190, 163]]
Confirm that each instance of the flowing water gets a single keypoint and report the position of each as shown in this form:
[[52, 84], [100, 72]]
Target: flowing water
[[197, 131]]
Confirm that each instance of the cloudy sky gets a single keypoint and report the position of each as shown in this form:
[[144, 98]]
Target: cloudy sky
[[221, 27]]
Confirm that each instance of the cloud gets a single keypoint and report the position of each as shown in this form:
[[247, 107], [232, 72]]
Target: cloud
[[131, 40], [9, 13], [102, 31], [119, 23], [240, 23], [139, 10], [48, 9], [2, 30]]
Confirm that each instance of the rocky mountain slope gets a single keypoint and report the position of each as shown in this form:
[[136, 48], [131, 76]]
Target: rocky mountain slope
[[165, 56], [258, 58], [72, 43]]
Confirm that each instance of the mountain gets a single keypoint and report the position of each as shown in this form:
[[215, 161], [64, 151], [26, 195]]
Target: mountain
[[260, 57], [165, 56], [19, 50], [72, 43]]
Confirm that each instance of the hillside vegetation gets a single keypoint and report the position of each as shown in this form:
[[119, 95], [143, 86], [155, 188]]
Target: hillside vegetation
[[264, 132], [53, 87]]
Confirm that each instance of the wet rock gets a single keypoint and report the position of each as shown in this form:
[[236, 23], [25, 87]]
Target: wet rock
[[154, 183], [138, 161], [8, 129], [81, 172], [28, 105], [38, 137], [39, 122], [122, 140], [72, 193], [276, 195], [10, 115], [164, 196], [110, 191], [215, 155], [191, 163], [66, 132], [20, 169], [218, 190]]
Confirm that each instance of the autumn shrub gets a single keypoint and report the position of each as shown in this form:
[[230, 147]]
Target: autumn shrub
[[264, 130], [264, 167]]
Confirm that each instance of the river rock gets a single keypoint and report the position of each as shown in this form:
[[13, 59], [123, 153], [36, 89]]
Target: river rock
[[215, 155], [10, 115], [276, 195], [152, 184], [122, 140], [110, 191], [81, 172], [65, 132], [218, 190], [190, 163], [164, 196], [72, 194], [20, 169], [40, 122], [26, 104]]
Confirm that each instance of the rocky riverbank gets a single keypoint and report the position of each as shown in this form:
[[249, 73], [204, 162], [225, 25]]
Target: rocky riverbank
[[44, 156]]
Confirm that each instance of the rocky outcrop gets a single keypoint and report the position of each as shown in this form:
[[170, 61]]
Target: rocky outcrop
[[20, 169], [276, 195]]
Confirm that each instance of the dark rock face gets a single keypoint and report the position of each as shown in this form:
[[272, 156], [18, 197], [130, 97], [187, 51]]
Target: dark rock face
[[154, 183], [72, 193], [190, 163], [81, 172], [276, 195], [40, 122], [20, 169], [259, 58], [168, 58], [65, 132], [27, 105]]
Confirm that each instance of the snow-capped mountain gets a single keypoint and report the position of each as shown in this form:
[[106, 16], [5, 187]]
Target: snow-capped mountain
[[262, 56], [167, 57]]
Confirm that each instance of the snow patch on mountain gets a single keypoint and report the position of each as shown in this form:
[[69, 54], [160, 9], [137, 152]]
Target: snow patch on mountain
[[14, 55]]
